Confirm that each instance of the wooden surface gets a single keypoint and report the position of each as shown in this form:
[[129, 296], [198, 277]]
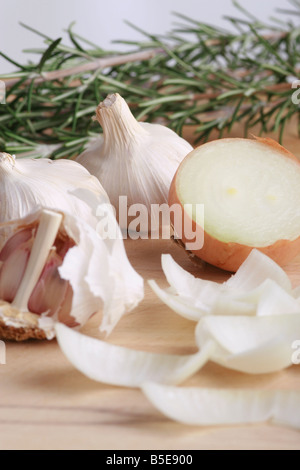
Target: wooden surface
[[47, 404]]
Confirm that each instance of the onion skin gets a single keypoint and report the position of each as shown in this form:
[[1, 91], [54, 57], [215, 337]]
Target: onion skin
[[230, 256]]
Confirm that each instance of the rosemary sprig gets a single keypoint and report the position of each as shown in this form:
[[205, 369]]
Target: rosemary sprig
[[197, 75]]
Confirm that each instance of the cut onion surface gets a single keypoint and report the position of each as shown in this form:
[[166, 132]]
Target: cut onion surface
[[259, 287], [121, 366], [250, 190], [209, 407]]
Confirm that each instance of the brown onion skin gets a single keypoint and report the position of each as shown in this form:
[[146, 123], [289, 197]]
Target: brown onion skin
[[230, 256]]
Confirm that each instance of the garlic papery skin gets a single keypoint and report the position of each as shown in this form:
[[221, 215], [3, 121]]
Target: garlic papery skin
[[133, 159], [39, 151], [28, 183], [66, 272]]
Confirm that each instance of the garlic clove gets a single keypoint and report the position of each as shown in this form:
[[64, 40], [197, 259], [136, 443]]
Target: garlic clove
[[71, 273], [16, 322], [133, 159], [14, 242], [50, 291], [49, 224], [64, 313], [13, 269]]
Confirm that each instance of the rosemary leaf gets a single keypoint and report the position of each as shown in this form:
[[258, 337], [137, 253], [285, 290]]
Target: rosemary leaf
[[196, 75]]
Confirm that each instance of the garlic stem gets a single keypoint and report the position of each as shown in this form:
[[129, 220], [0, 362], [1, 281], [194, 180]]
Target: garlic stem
[[7, 162], [48, 227], [117, 121]]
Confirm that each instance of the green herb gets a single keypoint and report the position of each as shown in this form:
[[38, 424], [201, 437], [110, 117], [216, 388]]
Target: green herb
[[197, 75]]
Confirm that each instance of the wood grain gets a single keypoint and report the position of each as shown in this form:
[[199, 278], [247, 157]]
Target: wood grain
[[46, 404]]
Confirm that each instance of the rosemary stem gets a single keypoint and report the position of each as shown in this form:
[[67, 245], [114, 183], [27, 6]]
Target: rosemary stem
[[88, 67]]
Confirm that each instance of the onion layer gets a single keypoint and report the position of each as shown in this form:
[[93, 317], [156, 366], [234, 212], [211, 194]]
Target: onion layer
[[117, 365], [209, 407]]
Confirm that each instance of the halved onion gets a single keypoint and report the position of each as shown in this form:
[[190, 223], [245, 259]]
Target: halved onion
[[209, 407], [250, 190], [117, 365]]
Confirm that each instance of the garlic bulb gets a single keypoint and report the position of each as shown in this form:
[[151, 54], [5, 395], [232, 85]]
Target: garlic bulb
[[133, 159], [56, 267], [27, 183]]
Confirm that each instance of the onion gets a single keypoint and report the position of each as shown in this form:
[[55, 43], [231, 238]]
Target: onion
[[250, 190], [121, 366], [259, 287], [253, 345], [209, 407]]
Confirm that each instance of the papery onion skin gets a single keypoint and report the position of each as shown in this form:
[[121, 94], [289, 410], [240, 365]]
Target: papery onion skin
[[230, 256]]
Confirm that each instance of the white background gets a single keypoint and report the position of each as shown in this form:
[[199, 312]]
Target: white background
[[103, 20]]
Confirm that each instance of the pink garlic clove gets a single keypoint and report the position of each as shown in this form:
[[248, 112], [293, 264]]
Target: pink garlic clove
[[22, 236], [66, 307], [13, 269], [50, 291]]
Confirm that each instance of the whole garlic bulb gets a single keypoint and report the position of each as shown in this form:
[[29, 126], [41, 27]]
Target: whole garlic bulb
[[56, 267], [27, 183], [133, 159]]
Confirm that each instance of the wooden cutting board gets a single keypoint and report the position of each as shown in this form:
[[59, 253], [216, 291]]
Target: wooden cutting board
[[46, 404]]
